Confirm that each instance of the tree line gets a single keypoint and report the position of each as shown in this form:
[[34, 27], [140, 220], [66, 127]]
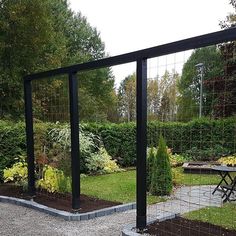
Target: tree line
[[41, 35]]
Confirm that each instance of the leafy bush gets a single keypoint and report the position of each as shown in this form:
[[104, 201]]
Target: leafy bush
[[229, 160], [12, 144], [207, 154], [93, 158], [120, 139], [54, 180], [160, 171], [16, 174], [89, 144], [177, 159], [101, 163]]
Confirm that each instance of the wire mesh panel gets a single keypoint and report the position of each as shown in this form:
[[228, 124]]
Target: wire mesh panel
[[191, 134], [191, 121], [52, 134]]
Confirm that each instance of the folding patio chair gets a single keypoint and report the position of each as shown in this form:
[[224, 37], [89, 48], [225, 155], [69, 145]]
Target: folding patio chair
[[228, 190]]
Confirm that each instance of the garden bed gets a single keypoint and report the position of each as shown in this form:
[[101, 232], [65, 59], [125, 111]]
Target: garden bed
[[186, 227], [202, 167], [57, 200]]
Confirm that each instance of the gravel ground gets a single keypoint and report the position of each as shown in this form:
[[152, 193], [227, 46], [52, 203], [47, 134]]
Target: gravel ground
[[17, 220]]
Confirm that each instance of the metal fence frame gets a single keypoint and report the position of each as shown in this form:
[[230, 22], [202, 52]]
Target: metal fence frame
[[140, 57]]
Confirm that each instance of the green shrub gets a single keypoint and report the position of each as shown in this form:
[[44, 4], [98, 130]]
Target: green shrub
[[61, 139], [151, 154], [207, 154], [161, 175], [12, 144], [229, 160], [101, 163], [178, 160], [54, 180], [93, 158], [17, 174], [120, 139]]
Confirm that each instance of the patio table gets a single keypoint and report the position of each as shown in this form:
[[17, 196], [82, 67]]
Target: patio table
[[229, 182]]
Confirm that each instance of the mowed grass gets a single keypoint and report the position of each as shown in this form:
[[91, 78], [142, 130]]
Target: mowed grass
[[181, 178], [121, 187], [224, 216]]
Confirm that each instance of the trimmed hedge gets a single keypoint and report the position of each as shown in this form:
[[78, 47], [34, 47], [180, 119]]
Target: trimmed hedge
[[119, 139], [12, 143]]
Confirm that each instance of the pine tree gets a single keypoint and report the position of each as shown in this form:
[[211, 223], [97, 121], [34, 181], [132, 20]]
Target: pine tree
[[161, 176], [150, 160]]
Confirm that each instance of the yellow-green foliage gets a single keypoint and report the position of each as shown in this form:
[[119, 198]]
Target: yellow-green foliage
[[54, 180], [102, 163], [17, 173], [109, 165], [229, 160]]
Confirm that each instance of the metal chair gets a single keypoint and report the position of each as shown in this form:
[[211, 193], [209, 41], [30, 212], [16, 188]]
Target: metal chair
[[228, 190]]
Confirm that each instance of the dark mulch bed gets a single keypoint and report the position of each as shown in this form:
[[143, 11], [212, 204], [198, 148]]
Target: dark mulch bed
[[57, 200], [184, 227]]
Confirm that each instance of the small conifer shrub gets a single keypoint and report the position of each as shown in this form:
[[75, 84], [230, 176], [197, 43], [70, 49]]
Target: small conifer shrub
[[161, 175]]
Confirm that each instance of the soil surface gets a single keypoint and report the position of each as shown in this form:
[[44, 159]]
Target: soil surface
[[57, 200], [184, 227]]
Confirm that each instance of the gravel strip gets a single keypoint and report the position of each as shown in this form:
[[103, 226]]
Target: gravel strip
[[17, 220]]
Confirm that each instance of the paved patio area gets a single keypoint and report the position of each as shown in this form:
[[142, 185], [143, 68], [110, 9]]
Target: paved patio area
[[16, 220]]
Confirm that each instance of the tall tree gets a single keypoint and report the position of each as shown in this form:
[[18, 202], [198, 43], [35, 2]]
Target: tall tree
[[153, 98], [161, 97], [127, 98], [41, 35], [168, 95], [190, 82], [224, 87], [28, 42]]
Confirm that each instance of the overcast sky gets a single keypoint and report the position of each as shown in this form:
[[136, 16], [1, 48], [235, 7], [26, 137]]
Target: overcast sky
[[128, 25]]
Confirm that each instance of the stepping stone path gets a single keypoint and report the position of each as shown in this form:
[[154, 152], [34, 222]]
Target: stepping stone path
[[186, 199]]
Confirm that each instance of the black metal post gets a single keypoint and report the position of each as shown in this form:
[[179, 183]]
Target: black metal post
[[74, 126], [141, 139], [29, 136]]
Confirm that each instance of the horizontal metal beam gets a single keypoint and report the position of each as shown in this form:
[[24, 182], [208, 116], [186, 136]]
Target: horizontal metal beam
[[165, 49]]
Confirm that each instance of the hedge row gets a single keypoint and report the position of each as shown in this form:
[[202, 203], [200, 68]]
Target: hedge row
[[119, 139], [12, 143]]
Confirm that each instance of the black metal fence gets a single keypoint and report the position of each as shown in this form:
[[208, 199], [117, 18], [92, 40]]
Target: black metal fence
[[140, 57]]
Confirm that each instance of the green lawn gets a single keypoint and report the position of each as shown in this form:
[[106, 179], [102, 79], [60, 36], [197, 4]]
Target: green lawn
[[121, 186], [224, 216], [181, 178]]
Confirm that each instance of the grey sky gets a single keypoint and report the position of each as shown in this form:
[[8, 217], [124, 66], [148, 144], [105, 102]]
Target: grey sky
[[128, 25]]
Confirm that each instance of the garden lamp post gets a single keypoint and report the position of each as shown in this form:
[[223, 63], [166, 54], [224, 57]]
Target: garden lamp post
[[200, 67]]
